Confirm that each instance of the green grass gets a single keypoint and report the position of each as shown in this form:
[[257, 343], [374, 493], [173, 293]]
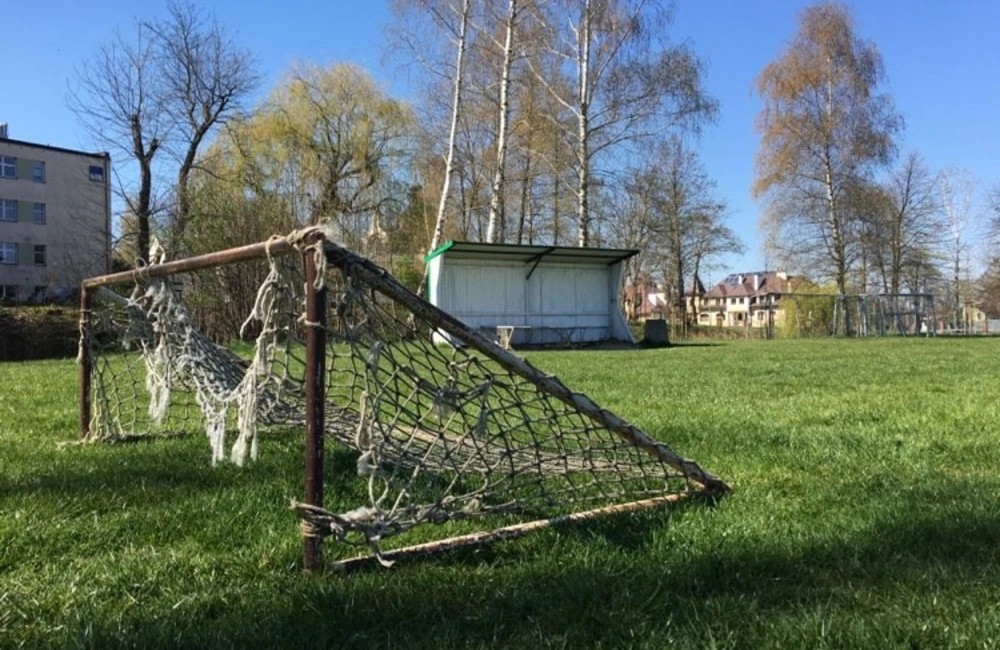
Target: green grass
[[865, 514]]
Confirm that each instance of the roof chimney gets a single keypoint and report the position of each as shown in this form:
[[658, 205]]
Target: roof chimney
[[3, 130], [756, 282]]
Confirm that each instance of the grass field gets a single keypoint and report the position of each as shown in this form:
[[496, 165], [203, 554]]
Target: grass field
[[865, 514]]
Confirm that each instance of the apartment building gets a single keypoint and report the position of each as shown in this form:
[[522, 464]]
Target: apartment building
[[55, 217]]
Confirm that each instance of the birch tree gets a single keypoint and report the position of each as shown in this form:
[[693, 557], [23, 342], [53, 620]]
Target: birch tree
[[456, 105], [824, 124], [496, 196], [629, 84]]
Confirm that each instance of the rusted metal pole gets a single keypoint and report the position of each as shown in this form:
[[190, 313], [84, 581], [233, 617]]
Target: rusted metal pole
[[85, 363], [315, 400], [509, 532], [278, 246]]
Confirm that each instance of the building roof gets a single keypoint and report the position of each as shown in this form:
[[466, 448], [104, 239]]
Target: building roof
[[742, 284], [23, 143], [528, 254], [696, 288]]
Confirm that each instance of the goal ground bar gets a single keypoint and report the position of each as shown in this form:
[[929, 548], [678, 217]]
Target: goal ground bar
[[511, 532]]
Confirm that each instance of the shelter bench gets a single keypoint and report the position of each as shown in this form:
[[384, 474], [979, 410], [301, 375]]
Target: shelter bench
[[506, 333]]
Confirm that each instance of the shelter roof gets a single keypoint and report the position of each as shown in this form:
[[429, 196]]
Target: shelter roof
[[528, 254]]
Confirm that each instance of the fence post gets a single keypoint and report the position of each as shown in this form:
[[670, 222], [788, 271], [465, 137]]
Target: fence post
[[85, 363], [315, 401]]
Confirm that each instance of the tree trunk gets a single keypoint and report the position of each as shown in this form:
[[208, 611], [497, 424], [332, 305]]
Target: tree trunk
[[525, 200], [142, 213], [498, 176], [896, 253], [555, 210], [143, 207], [455, 107], [183, 213], [583, 119], [957, 280]]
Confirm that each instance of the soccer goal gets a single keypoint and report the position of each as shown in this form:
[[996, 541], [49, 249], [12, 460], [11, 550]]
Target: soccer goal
[[465, 434]]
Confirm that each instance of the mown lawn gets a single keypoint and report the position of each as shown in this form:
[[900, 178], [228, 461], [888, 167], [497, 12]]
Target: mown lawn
[[865, 514]]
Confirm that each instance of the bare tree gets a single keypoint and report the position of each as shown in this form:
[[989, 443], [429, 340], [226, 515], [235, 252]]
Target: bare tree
[[912, 223], [676, 217], [117, 95], [993, 222], [496, 196], [165, 90], [958, 194], [461, 43], [824, 125], [205, 78], [628, 83]]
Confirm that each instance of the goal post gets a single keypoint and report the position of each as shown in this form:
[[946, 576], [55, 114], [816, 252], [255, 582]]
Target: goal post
[[457, 432]]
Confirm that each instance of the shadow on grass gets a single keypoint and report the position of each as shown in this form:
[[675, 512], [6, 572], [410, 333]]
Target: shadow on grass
[[508, 596], [164, 467]]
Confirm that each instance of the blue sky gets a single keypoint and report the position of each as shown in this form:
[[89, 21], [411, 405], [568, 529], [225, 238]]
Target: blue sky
[[942, 61]]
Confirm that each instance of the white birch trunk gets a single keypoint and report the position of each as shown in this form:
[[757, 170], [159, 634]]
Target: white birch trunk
[[583, 152], [499, 175], [455, 107]]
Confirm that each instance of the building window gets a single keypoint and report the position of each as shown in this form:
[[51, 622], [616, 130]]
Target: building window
[[38, 171], [741, 300], [8, 292], [39, 254], [8, 210], [39, 292], [38, 213], [97, 173], [8, 167], [8, 252]]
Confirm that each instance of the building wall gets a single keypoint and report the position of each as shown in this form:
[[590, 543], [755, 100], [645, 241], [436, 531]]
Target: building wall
[[77, 213], [735, 314], [488, 294]]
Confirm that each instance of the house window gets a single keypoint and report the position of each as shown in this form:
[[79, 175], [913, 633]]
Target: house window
[[8, 210], [8, 292], [39, 254], [8, 252], [8, 167], [39, 292], [741, 300], [97, 173], [38, 213], [38, 171]]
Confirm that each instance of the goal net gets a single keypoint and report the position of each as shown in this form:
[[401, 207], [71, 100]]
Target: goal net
[[443, 424]]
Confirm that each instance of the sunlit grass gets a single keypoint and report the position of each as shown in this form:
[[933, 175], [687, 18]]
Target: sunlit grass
[[865, 513]]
